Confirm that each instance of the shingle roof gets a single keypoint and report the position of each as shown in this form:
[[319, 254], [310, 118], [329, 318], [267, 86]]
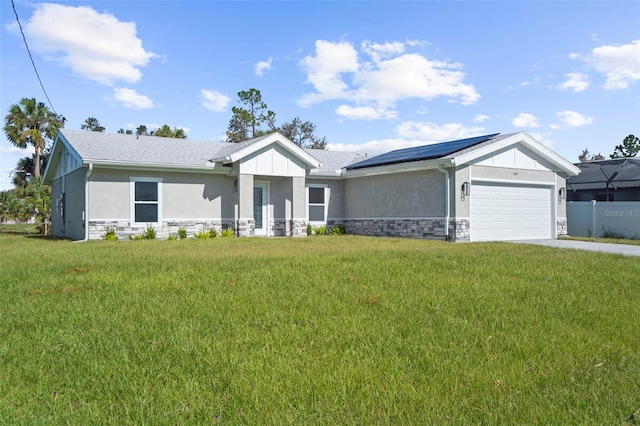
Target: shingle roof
[[619, 172], [110, 147], [424, 152], [332, 161]]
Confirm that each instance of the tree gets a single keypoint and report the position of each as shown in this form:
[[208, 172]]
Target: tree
[[9, 206], [247, 123], [92, 124], [584, 157], [630, 147], [125, 132], [167, 132], [302, 134], [143, 131], [31, 123]]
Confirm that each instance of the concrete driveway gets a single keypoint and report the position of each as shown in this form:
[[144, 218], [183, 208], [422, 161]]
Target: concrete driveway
[[627, 250]]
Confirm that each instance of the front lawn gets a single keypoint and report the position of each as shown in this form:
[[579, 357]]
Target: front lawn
[[338, 330]]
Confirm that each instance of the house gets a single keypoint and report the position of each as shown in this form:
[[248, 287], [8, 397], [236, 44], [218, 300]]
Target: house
[[492, 187], [606, 180]]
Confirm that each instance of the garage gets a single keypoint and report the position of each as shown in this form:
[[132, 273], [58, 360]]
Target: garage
[[500, 211]]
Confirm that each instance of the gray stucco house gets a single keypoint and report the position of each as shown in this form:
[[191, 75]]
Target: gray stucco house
[[492, 187]]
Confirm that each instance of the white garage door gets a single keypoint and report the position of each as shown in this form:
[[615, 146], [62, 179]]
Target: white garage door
[[510, 212]]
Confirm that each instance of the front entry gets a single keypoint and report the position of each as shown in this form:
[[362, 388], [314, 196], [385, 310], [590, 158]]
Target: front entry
[[260, 201]]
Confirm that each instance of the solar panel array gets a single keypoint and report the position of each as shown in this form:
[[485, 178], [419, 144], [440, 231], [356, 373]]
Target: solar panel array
[[418, 153]]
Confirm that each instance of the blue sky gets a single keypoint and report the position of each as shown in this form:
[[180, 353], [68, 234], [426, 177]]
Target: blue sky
[[372, 76]]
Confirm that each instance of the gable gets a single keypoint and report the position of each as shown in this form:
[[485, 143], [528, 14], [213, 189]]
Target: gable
[[272, 160], [62, 161], [514, 157]]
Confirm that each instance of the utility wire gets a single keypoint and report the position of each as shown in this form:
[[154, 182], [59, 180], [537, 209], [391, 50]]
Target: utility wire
[[31, 57]]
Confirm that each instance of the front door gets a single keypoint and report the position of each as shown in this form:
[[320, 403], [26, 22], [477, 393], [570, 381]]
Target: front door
[[260, 197]]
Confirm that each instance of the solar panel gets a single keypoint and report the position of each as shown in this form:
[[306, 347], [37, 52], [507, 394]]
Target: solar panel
[[418, 153]]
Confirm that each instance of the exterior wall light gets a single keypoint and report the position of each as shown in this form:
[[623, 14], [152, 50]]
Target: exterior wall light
[[562, 193], [466, 189]]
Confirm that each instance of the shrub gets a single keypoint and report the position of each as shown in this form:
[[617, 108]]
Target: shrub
[[182, 233], [309, 229], [213, 233], [111, 235], [202, 235], [320, 230], [150, 233], [338, 230], [610, 233], [137, 237], [227, 232], [172, 237]]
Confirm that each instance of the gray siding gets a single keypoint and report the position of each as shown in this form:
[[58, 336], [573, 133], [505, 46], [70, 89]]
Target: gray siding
[[398, 195]]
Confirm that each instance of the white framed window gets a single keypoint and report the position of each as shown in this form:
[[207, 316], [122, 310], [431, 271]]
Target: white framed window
[[317, 203], [146, 200]]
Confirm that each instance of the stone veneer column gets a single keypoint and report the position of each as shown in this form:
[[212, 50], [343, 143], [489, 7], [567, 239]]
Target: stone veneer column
[[246, 225], [298, 207]]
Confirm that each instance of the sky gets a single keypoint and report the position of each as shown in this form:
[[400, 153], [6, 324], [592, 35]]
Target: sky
[[372, 76]]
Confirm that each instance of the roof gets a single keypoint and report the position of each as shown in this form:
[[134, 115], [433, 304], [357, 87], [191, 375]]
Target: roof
[[132, 149], [333, 161], [617, 173], [118, 149], [419, 153]]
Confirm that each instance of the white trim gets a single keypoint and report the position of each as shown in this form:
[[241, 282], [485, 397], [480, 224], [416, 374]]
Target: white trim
[[276, 138], [264, 231], [216, 168], [132, 201], [325, 202], [411, 166], [511, 182], [525, 140]]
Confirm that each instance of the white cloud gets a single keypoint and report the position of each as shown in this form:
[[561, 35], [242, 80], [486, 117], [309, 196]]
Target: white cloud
[[480, 118], [12, 149], [263, 66], [525, 120], [431, 132], [366, 112], [619, 63], [375, 147], [572, 119], [577, 82], [337, 72], [131, 99], [573, 55], [377, 51], [542, 139], [214, 100], [94, 45]]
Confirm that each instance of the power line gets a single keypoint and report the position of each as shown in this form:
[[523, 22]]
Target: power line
[[31, 57]]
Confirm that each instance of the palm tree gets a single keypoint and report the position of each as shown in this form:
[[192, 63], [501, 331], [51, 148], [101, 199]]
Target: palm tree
[[29, 123]]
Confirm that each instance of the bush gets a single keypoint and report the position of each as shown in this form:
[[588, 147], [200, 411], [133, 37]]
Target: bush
[[111, 235], [182, 233], [172, 237], [150, 233], [338, 230], [309, 229], [227, 232], [320, 230], [610, 233], [213, 233], [202, 235], [137, 237]]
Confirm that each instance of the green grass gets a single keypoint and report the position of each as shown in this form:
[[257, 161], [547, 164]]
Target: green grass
[[344, 330]]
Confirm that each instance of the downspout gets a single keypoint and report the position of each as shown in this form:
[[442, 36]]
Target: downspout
[[86, 203], [447, 197]]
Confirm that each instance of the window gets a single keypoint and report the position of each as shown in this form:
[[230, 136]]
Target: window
[[146, 202], [317, 204]]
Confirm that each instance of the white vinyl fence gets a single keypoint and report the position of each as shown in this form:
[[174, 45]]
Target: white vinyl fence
[[603, 219]]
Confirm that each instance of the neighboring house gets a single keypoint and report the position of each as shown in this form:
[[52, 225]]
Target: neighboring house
[[493, 187], [606, 180]]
